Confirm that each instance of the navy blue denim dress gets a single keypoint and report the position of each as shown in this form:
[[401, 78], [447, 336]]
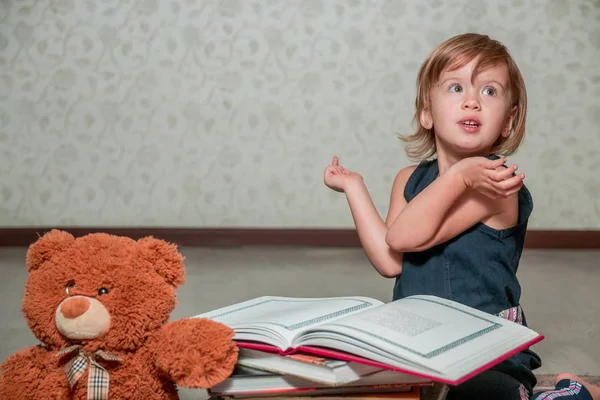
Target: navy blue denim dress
[[477, 268]]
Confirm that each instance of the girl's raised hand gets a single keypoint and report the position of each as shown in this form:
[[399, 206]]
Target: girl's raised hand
[[337, 177], [490, 177]]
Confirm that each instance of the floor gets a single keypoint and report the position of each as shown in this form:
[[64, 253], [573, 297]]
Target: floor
[[561, 293]]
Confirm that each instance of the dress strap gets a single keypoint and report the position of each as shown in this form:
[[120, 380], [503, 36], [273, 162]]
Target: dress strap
[[423, 175]]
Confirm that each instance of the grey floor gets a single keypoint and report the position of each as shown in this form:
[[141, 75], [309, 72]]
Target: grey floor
[[561, 293]]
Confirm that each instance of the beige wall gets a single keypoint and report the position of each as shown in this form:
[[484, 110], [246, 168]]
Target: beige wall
[[225, 113]]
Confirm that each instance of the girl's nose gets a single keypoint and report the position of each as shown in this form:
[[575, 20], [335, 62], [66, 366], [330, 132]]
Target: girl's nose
[[471, 103]]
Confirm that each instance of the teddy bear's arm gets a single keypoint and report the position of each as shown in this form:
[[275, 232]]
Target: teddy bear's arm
[[195, 352], [31, 374]]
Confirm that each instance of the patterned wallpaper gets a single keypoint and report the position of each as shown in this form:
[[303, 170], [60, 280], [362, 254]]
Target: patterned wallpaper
[[225, 113]]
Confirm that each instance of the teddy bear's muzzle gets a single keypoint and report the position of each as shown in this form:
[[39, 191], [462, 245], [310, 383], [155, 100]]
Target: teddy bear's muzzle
[[82, 317]]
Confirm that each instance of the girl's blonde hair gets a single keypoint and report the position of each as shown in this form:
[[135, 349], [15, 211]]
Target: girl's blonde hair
[[455, 53]]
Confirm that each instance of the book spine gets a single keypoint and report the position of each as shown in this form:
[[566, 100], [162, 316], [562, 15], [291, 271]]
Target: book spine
[[333, 391]]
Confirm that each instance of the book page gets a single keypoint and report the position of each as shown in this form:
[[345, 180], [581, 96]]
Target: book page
[[286, 316], [432, 332]]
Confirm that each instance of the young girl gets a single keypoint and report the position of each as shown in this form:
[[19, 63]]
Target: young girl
[[456, 222]]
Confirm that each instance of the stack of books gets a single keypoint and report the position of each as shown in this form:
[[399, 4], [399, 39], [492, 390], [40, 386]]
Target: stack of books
[[265, 374], [357, 347]]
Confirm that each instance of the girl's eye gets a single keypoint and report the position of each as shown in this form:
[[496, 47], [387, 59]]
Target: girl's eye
[[490, 91], [455, 88]]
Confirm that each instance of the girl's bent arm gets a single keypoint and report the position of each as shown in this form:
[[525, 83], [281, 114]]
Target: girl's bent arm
[[372, 230], [440, 212]]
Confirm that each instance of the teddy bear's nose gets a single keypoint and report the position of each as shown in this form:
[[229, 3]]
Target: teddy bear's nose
[[73, 308]]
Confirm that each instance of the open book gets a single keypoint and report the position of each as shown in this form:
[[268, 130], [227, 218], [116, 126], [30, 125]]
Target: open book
[[425, 336]]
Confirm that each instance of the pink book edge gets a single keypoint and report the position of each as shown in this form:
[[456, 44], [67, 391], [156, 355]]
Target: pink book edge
[[324, 352]]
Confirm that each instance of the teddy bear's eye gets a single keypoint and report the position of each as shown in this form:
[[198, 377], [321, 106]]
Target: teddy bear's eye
[[102, 291], [70, 285]]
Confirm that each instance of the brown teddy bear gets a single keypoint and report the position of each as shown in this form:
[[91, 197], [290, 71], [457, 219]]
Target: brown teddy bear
[[100, 305]]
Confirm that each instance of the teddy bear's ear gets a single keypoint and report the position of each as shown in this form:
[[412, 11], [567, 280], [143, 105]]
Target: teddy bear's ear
[[165, 257], [46, 246]]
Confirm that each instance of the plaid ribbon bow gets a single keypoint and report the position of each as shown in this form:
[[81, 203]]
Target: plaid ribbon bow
[[98, 379]]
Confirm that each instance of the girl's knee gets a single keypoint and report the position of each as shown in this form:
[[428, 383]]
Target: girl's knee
[[566, 375], [569, 386]]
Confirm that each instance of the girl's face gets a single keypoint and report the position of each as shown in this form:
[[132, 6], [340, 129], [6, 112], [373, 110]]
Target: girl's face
[[468, 115]]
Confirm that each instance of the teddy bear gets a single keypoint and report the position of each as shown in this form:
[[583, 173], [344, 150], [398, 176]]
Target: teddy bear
[[100, 306]]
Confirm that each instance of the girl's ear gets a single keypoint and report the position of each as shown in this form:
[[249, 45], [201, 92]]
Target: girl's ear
[[426, 120], [509, 123]]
